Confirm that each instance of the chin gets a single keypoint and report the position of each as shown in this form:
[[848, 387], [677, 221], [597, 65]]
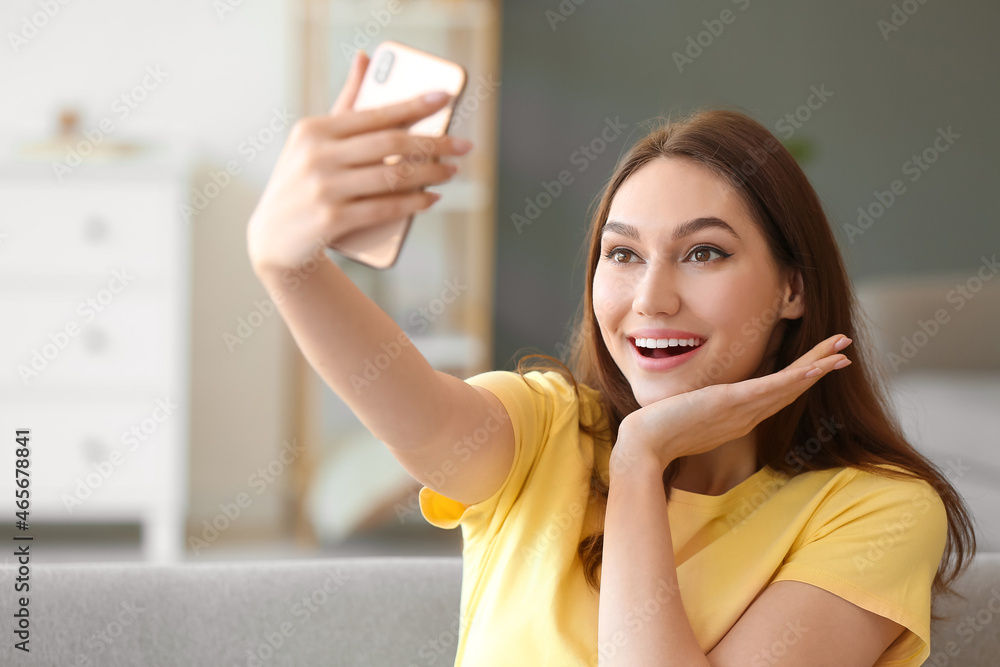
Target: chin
[[646, 393]]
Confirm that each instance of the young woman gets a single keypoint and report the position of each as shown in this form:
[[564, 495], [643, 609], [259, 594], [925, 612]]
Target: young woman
[[711, 482]]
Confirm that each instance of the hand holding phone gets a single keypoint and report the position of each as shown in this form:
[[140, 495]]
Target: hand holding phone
[[398, 72], [334, 179]]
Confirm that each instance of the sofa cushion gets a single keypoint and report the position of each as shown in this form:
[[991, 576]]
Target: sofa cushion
[[399, 612], [357, 611]]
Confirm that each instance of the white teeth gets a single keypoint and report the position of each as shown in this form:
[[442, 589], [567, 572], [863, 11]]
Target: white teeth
[[667, 342]]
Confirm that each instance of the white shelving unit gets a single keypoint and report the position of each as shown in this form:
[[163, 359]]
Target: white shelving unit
[[94, 288]]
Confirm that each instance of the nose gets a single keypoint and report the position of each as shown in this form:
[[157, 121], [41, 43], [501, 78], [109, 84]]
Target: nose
[[657, 292]]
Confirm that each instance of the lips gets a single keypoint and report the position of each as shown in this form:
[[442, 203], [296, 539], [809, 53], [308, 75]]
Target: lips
[[664, 358], [668, 351]]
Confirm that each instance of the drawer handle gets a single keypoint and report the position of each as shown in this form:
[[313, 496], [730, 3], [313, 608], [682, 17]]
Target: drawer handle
[[94, 450], [95, 230], [95, 339]]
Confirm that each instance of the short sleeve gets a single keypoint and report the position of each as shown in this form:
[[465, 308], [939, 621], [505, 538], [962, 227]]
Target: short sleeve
[[877, 543], [534, 404]]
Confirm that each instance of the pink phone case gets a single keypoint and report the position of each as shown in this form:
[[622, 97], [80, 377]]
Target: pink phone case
[[396, 73]]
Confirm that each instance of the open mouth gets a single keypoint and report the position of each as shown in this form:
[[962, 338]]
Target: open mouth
[[673, 348]]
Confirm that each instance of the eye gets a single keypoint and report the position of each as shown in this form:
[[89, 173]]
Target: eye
[[615, 252], [704, 250]]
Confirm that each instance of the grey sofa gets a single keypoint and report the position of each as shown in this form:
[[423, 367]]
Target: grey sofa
[[401, 612]]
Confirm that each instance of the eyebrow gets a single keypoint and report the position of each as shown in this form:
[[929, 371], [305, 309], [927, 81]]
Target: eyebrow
[[682, 230]]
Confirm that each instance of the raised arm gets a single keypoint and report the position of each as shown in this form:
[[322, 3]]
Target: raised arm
[[330, 180]]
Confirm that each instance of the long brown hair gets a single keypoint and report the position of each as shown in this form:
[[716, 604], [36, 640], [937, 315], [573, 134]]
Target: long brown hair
[[783, 205]]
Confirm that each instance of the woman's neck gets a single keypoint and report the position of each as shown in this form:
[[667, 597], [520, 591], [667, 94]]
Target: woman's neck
[[719, 470]]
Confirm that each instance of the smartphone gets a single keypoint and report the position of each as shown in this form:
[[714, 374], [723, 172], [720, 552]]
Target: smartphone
[[396, 73]]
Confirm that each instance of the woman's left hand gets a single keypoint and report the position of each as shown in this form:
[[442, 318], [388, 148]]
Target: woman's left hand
[[698, 421]]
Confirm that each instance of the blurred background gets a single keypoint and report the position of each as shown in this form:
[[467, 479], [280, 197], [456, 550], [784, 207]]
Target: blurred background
[[171, 416]]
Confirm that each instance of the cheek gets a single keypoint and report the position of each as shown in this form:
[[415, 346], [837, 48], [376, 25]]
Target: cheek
[[741, 312], [724, 303], [611, 298]]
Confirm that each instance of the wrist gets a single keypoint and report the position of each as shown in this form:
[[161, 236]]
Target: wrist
[[631, 462]]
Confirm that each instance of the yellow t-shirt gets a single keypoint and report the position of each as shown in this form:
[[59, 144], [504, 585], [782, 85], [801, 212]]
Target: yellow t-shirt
[[870, 539]]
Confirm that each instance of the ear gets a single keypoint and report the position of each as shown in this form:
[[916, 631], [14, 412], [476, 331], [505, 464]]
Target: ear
[[793, 302]]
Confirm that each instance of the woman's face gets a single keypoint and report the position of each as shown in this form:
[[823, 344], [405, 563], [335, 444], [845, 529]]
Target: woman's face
[[682, 274]]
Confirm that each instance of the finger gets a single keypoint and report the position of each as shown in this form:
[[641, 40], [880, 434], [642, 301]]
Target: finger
[[374, 211], [356, 73], [768, 395], [824, 349], [385, 179], [791, 380], [372, 148], [801, 379], [400, 114], [823, 366]]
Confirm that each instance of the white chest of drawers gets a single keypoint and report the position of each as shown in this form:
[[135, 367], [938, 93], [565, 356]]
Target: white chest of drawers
[[94, 345]]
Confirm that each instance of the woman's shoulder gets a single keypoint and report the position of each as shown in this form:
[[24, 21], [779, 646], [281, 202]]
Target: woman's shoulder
[[548, 381], [889, 476], [885, 486], [543, 385]]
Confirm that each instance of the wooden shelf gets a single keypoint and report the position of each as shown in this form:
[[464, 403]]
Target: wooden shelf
[[453, 240]]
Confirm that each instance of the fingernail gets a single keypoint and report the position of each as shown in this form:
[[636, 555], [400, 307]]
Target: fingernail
[[461, 144], [814, 372], [842, 363], [436, 97], [452, 169], [842, 343]]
